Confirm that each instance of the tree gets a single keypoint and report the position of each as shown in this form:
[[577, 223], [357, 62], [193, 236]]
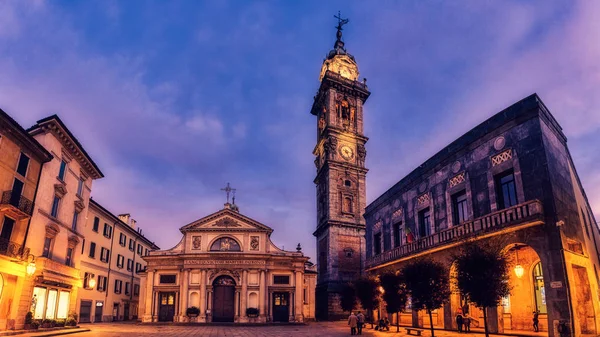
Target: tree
[[348, 297], [482, 276], [428, 285], [394, 294], [367, 292]]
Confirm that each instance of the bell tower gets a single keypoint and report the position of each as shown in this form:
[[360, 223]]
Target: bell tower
[[340, 181]]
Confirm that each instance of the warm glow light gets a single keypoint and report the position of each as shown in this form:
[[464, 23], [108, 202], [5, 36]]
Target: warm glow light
[[92, 283], [381, 290], [30, 269], [519, 271]]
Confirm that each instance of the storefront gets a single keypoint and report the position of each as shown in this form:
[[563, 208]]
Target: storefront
[[51, 301]]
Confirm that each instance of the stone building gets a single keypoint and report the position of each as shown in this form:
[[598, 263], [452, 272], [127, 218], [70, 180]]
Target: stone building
[[110, 265], [512, 180], [341, 173], [224, 264], [21, 161], [55, 234]]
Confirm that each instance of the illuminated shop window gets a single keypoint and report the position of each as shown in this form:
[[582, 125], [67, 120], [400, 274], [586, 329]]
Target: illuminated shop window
[[51, 303], [63, 305]]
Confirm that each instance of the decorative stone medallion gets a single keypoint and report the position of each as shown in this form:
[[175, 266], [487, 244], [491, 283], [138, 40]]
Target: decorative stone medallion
[[499, 143], [254, 243], [422, 187], [196, 242], [456, 166]]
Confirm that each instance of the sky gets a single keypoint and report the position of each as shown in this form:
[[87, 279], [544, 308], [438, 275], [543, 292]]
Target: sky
[[173, 99]]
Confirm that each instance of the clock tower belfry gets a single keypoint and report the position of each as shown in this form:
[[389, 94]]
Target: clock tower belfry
[[340, 181]]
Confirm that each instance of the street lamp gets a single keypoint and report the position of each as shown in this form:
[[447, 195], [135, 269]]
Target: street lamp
[[92, 283], [519, 270]]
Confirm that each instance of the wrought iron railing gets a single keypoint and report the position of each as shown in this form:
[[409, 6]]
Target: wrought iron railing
[[18, 201], [521, 213], [13, 249]]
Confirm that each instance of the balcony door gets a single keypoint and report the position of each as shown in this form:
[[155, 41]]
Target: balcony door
[[7, 228], [17, 190]]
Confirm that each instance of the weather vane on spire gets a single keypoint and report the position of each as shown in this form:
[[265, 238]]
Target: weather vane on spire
[[341, 22], [228, 190]]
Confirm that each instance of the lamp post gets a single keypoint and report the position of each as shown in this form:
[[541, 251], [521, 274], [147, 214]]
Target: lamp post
[[519, 270]]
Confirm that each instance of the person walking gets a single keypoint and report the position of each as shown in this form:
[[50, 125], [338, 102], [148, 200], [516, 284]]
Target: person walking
[[361, 322], [459, 320], [352, 322], [536, 321]]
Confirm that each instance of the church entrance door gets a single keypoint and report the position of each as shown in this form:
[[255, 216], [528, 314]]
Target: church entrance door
[[223, 299], [166, 307], [281, 307]]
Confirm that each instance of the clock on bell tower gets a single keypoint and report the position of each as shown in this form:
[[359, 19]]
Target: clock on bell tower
[[340, 181]]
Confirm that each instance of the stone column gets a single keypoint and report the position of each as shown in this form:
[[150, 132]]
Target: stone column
[[262, 295], [183, 298], [298, 297], [244, 295], [155, 312], [236, 305], [203, 295], [149, 298]]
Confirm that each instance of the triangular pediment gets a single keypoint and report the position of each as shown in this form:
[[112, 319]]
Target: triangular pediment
[[225, 220]]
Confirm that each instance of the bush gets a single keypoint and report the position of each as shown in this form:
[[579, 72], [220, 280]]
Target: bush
[[73, 315], [252, 312], [192, 311], [29, 318], [71, 322], [34, 325], [60, 322]]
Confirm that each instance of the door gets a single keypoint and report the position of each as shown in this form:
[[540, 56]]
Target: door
[[85, 311], [126, 312], [281, 307], [98, 313], [166, 307], [17, 190], [224, 299], [7, 228], [115, 312]]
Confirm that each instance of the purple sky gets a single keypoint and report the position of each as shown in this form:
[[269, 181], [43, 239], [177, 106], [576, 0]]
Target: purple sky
[[173, 99]]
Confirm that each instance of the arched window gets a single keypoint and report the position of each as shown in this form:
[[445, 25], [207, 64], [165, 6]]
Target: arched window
[[539, 292], [225, 244]]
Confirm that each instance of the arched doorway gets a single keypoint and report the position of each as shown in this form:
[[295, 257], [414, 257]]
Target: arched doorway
[[223, 299]]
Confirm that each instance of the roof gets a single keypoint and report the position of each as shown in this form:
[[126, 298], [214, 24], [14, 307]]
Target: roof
[[23, 136], [226, 212], [41, 125]]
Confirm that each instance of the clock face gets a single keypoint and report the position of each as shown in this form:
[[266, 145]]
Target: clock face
[[346, 152]]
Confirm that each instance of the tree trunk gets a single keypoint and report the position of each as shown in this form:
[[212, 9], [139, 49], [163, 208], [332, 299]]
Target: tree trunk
[[431, 323], [485, 325], [397, 321]]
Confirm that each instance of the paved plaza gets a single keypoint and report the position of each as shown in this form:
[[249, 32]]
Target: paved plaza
[[309, 330]]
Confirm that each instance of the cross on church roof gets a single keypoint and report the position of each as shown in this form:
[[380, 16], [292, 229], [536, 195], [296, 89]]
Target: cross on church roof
[[228, 190]]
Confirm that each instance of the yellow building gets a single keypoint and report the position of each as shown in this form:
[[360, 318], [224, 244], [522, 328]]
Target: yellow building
[[21, 160], [110, 266], [55, 234]]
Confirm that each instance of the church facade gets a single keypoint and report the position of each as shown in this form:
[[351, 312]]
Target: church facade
[[227, 268]]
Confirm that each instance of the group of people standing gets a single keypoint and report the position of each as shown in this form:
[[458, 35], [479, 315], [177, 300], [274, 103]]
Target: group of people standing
[[356, 323], [463, 321]]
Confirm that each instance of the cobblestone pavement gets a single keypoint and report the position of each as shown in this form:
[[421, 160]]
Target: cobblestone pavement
[[309, 330]]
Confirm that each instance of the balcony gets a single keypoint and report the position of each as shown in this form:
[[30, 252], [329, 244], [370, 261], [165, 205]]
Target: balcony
[[526, 213], [15, 205], [13, 250]]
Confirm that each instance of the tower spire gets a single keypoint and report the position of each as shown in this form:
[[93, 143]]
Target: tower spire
[[339, 44]]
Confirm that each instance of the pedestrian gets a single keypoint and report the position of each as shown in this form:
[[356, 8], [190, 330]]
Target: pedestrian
[[467, 322], [536, 321], [352, 322], [459, 320], [361, 322]]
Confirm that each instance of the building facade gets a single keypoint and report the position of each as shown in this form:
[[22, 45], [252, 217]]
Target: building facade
[[55, 233], [225, 264], [341, 186], [21, 162], [110, 264], [510, 180]]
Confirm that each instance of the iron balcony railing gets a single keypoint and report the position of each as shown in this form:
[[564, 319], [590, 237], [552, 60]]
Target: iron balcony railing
[[513, 216], [13, 249], [19, 202]]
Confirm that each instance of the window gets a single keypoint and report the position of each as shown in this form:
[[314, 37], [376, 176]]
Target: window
[[107, 230], [397, 234], [539, 292], [7, 229], [118, 286], [62, 170], [377, 243], [225, 244], [281, 279], [101, 283], [104, 254], [96, 224], [136, 290], [139, 249], [506, 191], [47, 248], [80, 187], [92, 250], [55, 204], [347, 183], [131, 245], [459, 205], [138, 267], [424, 222], [146, 252], [83, 246], [74, 223], [23, 165], [129, 265], [127, 288], [585, 223], [168, 279], [122, 239], [120, 260], [69, 258]]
